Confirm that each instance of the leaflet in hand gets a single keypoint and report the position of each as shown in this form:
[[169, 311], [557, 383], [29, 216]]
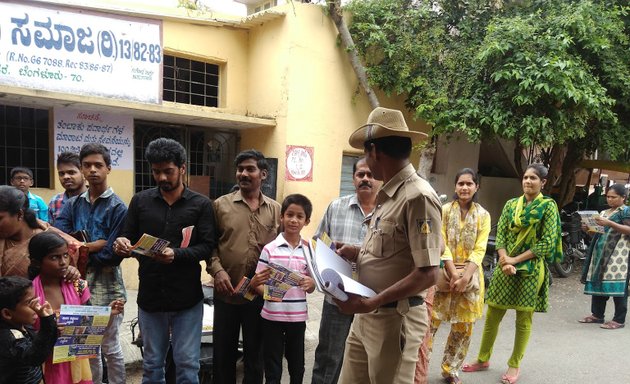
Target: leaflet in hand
[[242, 289], [333, 274], [588, 218], [150, 245], [83, 331], [280, 281]]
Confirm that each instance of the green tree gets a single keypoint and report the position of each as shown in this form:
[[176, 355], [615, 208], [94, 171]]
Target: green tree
[[553, 74]]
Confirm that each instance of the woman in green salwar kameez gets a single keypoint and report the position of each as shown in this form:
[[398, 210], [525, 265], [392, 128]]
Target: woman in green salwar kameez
[[528, 236]]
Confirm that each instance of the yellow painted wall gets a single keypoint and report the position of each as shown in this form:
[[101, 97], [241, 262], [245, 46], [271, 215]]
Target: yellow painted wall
[[118, 180], [300, 76], [226, 47]]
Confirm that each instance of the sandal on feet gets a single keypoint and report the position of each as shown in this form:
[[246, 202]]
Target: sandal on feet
[[474, 367], [612, 325], [590, 319], [505, 379]]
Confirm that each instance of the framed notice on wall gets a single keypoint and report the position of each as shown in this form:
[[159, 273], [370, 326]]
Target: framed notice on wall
[[299, 163], [75, 127]]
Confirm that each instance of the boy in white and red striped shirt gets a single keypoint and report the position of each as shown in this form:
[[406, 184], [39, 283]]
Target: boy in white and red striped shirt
[[284, 322]]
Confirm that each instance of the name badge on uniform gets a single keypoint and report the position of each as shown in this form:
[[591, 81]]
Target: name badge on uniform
[[423, 226]]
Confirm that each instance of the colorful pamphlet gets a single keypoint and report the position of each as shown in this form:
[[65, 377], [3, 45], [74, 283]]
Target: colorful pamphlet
[[84, 326], [150, 245], [588, 218], [280, 281], [242, 289]]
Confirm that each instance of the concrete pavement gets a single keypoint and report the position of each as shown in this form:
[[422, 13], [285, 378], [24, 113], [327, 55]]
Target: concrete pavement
[[560, 351]]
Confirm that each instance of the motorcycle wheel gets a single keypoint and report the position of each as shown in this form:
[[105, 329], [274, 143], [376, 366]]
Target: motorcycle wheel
[[565, 267]]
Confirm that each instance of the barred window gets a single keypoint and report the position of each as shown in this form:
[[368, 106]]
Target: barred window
[[24, 143], [190, 82]]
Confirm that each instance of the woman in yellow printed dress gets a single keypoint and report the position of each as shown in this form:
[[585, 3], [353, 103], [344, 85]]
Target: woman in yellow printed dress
[[459, 299]]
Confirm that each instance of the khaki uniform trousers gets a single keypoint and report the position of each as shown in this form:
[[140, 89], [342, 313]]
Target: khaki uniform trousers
[[382, 347]]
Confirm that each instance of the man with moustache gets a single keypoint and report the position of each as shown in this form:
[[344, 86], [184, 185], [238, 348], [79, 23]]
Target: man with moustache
[[344, 222], [246, 221], [100, 212], [72, 181], [170, 298], [398, 259]]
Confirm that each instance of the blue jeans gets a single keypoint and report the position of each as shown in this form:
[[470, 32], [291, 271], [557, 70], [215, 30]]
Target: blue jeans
[[333, 331], [184, 336]]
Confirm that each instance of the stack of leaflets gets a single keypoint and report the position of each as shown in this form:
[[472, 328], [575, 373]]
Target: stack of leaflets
[[333, 275], [588, 218], [280, 281]]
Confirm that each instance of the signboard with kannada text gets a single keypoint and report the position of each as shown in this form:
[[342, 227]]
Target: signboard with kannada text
[[74, 51], [75, 127]]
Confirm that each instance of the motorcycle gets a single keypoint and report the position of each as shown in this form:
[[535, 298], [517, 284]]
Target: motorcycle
[[491, 258], [574, 243]]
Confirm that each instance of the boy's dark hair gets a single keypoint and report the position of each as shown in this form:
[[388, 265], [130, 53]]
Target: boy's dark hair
[[95, 149], [16, 170], [39, 246], [396, 147], [163, 150], [300, 200], [68, 158], [12, 290], [261, 161], [12, 200]]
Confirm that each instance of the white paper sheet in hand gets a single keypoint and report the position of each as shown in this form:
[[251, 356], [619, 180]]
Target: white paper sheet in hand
[[333, 270]]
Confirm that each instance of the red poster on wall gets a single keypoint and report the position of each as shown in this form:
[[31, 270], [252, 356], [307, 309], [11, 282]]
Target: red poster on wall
[[299, 163]]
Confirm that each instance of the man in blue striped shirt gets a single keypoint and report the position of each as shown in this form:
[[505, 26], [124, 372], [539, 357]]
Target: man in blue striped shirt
[[344, 221]]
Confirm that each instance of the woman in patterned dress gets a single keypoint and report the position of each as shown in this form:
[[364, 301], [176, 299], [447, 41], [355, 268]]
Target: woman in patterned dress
[[605, 271], [528, 234], [465, 228]]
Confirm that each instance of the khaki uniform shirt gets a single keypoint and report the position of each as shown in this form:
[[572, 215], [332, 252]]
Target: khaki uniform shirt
[[404, 231], [242, 235]]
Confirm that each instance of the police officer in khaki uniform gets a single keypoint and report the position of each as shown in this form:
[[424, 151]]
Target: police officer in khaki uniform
[[399, 258]]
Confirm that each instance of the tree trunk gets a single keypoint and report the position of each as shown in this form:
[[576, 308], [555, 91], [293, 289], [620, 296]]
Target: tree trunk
[[334, 7], [518, 158], [426, 160], [555, 167], [566, 190]]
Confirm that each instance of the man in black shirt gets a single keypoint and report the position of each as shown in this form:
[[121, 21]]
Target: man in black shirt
[[170, 298]]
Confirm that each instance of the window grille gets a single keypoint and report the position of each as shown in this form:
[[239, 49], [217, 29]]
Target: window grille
[[210, 155], [24, 142], [190, 82]]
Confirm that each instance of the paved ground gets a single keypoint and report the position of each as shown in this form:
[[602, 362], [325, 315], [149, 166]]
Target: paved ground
[[561, 351]]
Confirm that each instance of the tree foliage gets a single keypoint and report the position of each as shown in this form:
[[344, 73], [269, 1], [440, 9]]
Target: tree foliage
[[553, 73]]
